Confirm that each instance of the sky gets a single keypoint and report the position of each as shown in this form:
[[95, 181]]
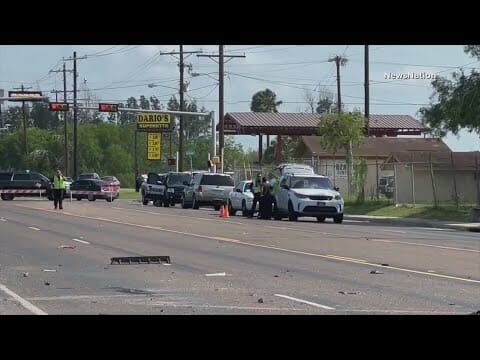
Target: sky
[[112, 73]]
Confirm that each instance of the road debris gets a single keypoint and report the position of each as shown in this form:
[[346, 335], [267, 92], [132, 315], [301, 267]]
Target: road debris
[[275, 275], [349, 292], [66, 247], [376, 272], [385, 265], [49, 270], [260, 301], [47, 283], [25, 274], [128, 260]]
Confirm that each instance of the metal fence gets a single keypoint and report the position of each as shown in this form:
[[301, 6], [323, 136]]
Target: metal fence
[[413, 182]]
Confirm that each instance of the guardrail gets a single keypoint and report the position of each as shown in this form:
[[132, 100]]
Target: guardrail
[[23, 191]]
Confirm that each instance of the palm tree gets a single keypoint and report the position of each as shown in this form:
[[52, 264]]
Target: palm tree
[[264, 101]]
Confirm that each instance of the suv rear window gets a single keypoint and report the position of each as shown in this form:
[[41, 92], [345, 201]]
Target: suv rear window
[[217, 180], [21, 177], [178, 179]]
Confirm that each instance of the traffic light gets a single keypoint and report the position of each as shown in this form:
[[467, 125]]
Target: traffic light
[[108, 107], [58, 106], [171, 162]]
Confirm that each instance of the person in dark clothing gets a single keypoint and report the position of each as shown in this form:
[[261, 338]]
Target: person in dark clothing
[[257, 193], [267, 203]]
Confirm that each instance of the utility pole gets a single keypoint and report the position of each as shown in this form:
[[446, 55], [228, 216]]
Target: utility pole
[[221, 74], [75, 119], [367, 90], [65, 119], [181, 92], [65, 114], [182, 108], [339, 61], [25, 148]]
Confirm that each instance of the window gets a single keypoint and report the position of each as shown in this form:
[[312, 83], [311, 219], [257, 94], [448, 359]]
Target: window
[[248, 187], [21, 177], [178, 179], [311, 183], [218, 180], [37, 177], [153, 178]]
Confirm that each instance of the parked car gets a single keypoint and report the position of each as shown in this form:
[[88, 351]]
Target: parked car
[[25, 180], [241, 198], [174, 187], [154, 189], [68, 182], [308, 195], [86, 176], [99, 186], [113, 182], [208, 189]]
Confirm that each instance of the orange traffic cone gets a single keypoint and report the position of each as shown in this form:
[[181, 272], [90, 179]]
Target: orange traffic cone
[[226, 213], [222, 211]]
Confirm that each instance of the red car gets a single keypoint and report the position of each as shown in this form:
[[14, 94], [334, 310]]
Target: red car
[[112, 181]]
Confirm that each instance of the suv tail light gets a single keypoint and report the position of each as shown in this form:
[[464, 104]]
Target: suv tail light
[[199, 189]]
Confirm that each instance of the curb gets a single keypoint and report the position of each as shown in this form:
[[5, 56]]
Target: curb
[[415, 222]]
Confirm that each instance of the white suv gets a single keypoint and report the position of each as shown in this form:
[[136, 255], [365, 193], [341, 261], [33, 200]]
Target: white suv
[[308, 195]]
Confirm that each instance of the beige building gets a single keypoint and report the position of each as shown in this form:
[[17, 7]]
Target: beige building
[[374, 150], [422, 176]]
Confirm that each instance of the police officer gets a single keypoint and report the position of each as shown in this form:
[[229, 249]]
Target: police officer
[[257, 193], [58, 189]]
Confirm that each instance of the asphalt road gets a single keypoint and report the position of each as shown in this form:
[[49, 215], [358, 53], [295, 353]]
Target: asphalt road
[[226, 266]]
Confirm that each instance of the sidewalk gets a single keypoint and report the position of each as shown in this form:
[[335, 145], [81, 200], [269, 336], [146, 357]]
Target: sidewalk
[[474, 227]]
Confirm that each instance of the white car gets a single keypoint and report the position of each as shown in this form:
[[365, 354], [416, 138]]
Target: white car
[[308, 195], [241, 198]]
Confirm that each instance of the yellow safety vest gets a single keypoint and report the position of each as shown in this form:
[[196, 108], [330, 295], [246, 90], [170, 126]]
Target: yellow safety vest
[[58, 182], [276, 186], [257, 188]]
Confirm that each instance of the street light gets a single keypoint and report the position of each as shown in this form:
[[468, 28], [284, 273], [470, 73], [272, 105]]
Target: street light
[[204, 74]]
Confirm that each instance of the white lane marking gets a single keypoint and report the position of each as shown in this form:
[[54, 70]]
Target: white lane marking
[[305, 302], [80, 297], [395, 231], [34, 228], [346, 258], [434, 229], [2, 219], [426, 312], [256, 245], [426, 245], [81, 241], [217, 274], [49, 270], [25, 303]]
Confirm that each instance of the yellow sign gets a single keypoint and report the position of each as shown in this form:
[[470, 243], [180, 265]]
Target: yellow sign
[[154, 146], [153, 122]]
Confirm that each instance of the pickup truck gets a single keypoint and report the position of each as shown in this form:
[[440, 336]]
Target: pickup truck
[[27, 180], [154, 189], [174, 187]]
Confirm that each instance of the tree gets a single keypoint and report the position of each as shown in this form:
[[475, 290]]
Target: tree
[[126, 117], [455, 103], [342, 131], [42, 117], [325, 104], [144, 103], [264, 101], [310, 99], [155, 103]]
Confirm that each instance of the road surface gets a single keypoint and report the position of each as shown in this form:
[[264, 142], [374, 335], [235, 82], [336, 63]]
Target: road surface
[[58, 262]]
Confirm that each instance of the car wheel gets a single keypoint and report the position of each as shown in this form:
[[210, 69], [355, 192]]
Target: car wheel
[[195, 204], [291, 213], [79, 198], [166, 204], [157, 203], [231, 212], [7, 197], [321, 218], [277, 216], [338, 219], [244, 208], [109, 199], [91, 198], [144, 201], [184, 204]]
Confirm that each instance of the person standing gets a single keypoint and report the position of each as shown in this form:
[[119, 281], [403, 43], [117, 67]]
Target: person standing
[[58, 189], [257, 193]]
